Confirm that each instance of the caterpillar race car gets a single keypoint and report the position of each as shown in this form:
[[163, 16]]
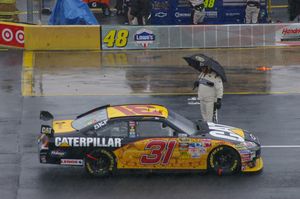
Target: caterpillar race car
[[146, 137]]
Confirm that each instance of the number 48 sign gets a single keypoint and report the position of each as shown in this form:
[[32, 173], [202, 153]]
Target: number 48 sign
[[116, 38]]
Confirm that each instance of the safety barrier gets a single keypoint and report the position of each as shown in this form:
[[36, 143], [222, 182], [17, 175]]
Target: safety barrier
[[62, 37], [35, 37], [32, 37], [205, 36]]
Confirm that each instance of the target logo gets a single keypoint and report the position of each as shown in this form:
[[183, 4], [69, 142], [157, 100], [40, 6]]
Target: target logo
[[11, 35], [7, 35], [20, 36]]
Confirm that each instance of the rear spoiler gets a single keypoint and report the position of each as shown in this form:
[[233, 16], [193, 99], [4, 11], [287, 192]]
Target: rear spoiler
[[46, 116], [46, 129]]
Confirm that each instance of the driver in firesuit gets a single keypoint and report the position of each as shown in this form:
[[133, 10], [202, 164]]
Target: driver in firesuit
[[210, 92]]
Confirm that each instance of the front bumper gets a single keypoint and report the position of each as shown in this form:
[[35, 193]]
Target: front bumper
[[257, 168]]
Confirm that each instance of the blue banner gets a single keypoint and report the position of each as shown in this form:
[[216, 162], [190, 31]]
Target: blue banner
[[178, 12]]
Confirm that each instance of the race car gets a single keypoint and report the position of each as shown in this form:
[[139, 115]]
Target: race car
[[145, 137]]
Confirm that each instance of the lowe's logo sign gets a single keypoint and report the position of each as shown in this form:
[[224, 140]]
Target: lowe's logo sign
[[144, 37]]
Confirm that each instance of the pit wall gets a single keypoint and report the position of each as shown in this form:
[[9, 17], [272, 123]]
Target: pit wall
[[35, 37]]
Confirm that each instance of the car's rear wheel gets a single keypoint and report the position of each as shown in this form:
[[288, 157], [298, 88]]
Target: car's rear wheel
[[100, 163], [224, 160]]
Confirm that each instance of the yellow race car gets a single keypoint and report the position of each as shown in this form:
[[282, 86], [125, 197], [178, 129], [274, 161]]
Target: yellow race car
[[146, 137]]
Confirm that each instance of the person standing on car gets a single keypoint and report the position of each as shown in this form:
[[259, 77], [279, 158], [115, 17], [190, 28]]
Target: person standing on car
[[198, 12], [252, 11], [140, 10], [210, 92]]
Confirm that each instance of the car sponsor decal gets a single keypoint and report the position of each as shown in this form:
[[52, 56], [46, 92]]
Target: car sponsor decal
[[58, 153], [45, 129], [253, 137], [87, 142], [100, 124], [160, 152], [132, 129], [75, 162], [163, 153], [196, 149], [227, 135], [136, 110], [229, 129]]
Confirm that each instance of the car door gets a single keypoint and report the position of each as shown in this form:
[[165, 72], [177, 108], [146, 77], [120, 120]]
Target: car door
[[166, 147], [152, 145]]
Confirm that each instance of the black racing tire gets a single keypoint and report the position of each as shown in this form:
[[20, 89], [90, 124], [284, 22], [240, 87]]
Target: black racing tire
[[224, 160], [100, 163]]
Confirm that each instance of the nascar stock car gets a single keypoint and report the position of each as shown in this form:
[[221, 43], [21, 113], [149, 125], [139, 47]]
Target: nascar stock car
[[146, 137]]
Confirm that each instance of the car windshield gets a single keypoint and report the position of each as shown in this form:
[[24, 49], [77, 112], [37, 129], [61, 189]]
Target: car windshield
[[182, 123], [89, 119]]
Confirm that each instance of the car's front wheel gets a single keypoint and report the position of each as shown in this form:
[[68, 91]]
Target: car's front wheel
[[100, 163], [224, 160]]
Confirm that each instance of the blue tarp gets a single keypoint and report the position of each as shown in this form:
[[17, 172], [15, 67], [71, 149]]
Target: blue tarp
[[72, 12]]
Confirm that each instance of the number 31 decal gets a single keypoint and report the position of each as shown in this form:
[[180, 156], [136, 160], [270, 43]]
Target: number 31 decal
[[160, 152]]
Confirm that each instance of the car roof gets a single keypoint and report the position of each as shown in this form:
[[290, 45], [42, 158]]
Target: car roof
[[131, 110]]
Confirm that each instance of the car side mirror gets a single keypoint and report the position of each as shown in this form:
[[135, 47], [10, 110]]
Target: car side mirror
[[46, 116]]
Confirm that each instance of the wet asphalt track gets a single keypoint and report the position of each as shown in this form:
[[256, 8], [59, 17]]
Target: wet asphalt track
[[273, 115]]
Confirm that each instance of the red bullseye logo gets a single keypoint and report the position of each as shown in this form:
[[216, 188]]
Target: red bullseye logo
[[20, 36], [7, 35], [12, 35]]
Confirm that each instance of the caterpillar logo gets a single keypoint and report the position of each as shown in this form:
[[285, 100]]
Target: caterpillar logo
[[87, 142]]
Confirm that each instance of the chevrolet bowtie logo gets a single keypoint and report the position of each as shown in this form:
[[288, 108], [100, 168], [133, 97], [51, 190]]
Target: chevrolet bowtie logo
[[161, 14]]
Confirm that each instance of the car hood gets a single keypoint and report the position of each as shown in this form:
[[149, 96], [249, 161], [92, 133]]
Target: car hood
[[226, 132]]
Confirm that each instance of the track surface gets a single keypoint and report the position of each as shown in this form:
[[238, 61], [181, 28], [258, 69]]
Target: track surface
[[271, 111]]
